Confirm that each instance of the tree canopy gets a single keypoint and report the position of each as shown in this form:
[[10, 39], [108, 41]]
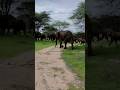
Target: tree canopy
[[5, 6], [41, 19], [60, 25], [49, 29], [79, 13]]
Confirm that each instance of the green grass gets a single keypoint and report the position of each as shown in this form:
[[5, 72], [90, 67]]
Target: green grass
[[75, 59], [12, 46], [72, 87], [43, 44], [102, 69]]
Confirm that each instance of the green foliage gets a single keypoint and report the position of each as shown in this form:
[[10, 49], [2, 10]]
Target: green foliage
[[41, 19], [60, 25], [49, 29], [26, 7], [79, 13], [6, 5]]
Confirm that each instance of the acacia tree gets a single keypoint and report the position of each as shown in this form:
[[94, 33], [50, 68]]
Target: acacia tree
[[79, 13], [5, 6], [49, 29], [41, 20], [26, 13], [60, 25], [26, 8]]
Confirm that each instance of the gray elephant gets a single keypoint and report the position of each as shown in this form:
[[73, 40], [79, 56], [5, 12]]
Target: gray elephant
[[64, 36]]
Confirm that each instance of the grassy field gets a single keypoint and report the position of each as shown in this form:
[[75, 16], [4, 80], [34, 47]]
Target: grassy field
[[11, 46], [102, 69], [43, 44], [75, 59]]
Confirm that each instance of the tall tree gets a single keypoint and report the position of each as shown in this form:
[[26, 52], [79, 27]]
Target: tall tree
[[50, 29], [26, 12], [5, 6], [26, 8], [41, 19], [60, 25], [79, 13]]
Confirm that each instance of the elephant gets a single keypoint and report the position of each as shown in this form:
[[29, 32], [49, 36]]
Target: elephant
[[115, 37], [43, 36], [37, 35], [52, 36], [64, 36]]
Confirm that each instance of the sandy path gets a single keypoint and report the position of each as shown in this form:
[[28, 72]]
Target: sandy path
[[17, 73], [51, 72]]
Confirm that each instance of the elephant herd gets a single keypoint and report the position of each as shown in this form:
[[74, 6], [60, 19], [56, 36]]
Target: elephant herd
[[61, 36], [110, 36], [11, 25], [43, 36], [107, 28]]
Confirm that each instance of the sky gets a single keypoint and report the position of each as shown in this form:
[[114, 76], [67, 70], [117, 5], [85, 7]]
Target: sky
[[97, 8], [59, 10]]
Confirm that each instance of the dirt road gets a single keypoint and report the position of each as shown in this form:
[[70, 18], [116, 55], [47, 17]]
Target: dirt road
[[17, 73], [51, 73]]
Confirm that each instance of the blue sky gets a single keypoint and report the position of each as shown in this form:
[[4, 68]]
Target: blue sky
[[59, 9]]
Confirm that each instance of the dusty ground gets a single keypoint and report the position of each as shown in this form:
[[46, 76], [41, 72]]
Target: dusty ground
[[51, 73], [50, 70], [17, 73]]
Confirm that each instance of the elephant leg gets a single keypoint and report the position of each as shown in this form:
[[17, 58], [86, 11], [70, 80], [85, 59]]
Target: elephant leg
[[116, 43], [24, 32], [111, 42], [72, 45], [60, 44], [65, 45]]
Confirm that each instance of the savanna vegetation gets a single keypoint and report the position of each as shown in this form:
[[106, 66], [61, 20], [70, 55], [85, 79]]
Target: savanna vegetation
[[46, 33], [102, 68], [14, 45], [16, 31], [102, 60], [75, 60], [43, 44]]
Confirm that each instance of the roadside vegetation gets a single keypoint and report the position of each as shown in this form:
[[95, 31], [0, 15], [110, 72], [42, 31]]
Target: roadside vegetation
[[43, 44], [12, 46], [103, 67], [75, 60]]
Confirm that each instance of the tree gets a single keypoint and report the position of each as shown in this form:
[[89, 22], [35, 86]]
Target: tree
[[26, 8], [60, 25], [98, 24], [26, 13], [41, 19], [79, 16], [5, 6], [50, 29], [79, 13]]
